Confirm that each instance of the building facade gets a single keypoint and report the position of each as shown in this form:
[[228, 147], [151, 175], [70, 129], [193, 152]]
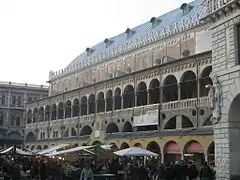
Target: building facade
[[165, 85], [13, 97]]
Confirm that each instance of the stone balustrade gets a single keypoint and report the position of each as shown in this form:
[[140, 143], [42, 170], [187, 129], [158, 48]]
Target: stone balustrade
[[215, 5], [136, 111]]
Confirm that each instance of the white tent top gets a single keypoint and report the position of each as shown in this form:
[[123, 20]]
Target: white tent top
[[18, 151], [135, 151], [52, 149], [80, 148], [24, 153], [6, 150]]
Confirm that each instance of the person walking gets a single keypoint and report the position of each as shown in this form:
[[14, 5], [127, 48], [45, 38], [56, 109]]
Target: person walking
[[205, 172], [87, 173]]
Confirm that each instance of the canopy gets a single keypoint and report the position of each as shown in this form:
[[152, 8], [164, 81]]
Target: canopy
[[52, 149], [80, 148], [135, 151], [18, 151]]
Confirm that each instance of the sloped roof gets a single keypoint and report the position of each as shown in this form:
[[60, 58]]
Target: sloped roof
[[172, 20]]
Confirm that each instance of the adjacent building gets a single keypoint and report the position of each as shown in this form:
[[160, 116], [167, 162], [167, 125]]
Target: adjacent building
[[167, 85], [13, 97]]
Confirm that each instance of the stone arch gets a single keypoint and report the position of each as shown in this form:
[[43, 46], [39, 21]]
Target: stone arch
[[142, 94], [29, 116], [171, 123], [171, 147], [128, 97], [186, 122], [54, 112], [114, 147], [154, 147], [139, 145], [124, 145], [76, 107], [32, 147], [117, 98], [192, 147], [171, 152], [68, 109], [207, 121], [196, 150], [86, 131], [45, 146], [73, 132], [127, 127], [30, 137], [91, 104], [188, 85], [100, 102], [154, 93], [211, 152], [35, 114], [39, 147], [47, 113], [109, 100], [205, 80], [233, 119], [84, 104], [15, 135], [170, 89], [41, 114], [60, 110], [112, 128]]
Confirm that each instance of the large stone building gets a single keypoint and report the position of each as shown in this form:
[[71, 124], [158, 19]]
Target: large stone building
[[165, 85], [13, 97]]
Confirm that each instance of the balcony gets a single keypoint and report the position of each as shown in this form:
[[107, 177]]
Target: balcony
[[186, 103], [149, 134], [214, 6]]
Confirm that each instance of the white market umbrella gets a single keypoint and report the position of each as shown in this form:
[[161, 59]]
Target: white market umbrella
[[135, 151], [52, 149]]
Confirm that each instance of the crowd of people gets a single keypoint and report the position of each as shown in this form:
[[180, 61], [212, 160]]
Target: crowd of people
[[42, 168]]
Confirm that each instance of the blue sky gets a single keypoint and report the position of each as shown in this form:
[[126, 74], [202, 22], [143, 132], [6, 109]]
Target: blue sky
[[37, 36]]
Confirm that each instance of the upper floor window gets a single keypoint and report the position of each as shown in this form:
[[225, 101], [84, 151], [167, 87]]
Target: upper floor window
[[29, 99], [18, 121], [13, 100], [3, 100], [19, 101], [12, 121], [1, 119]]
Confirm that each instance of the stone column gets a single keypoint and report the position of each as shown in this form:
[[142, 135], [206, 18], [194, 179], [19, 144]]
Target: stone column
[[135, 100], [148, 97], [179, 122], [105, 110], [122, 107], [179, 91], [113, 103]]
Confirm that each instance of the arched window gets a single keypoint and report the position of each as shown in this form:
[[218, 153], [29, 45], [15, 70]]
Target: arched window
[[188, 85], [170, 89], [68, 109], [47, 113], [128, 97], [100, 102], [109, 100], [91, 104], [54, 112], [84, 105], [76, 108], [154, 94], [117, 99], [60, 111], [142, 94]]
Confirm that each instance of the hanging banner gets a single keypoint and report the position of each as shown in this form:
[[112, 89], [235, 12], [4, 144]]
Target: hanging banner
[[146, 119]]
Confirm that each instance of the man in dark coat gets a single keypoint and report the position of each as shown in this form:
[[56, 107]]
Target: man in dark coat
[[16, 171]]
